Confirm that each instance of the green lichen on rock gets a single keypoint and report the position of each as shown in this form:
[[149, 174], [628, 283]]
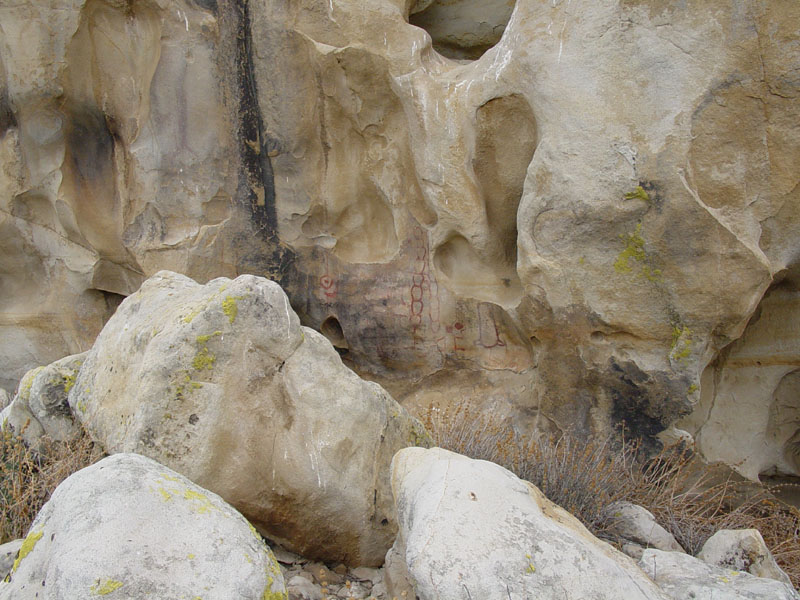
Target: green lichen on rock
[[273, 571], [26, 548], [530, 569], [189, 317], [270, 595], [27, 383], [681, 346], [203, 339], [202, 504], [419, 436], [634, 250], [203, 360], [230, 308], [69, 381], [638, 194], [105, 588]]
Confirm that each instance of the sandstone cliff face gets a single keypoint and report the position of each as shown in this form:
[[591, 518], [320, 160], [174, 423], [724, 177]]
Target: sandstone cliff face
[[568, 226]]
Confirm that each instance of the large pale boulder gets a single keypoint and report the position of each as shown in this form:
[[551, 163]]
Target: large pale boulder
[[682, 576], [40, 406], [471, 529], [221, 383], [742, 550], [130, 528]]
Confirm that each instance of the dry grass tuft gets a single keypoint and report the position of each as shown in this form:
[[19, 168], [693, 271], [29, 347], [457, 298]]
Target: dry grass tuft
[[28, 477], [584, 477]]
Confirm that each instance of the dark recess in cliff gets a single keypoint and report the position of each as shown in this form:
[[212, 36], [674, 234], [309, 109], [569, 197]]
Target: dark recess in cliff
[[7, 118], [644, 403]]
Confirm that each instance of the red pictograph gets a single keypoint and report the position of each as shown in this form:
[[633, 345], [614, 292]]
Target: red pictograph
[[488, 332], [327, 283]]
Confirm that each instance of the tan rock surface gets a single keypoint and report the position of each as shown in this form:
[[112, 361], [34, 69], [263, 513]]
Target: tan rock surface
[[569, 228]]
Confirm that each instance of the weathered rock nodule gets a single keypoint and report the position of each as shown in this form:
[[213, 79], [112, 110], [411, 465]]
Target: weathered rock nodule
[[40, 407], [742, 550], [221, 383], [130, 528]]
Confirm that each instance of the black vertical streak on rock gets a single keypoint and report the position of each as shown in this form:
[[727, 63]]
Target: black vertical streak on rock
[[256, 183], [257, 167]]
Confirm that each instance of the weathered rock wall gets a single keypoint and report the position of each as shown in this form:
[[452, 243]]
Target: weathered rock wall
[[568, 227]]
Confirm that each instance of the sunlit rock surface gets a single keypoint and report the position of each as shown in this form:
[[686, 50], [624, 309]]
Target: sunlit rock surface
[[568, 227]]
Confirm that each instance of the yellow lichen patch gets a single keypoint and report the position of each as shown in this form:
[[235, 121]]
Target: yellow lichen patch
[[530, 568], [203, 360], [106, 587], [270, 595], [634, 251], [190, 556], [203, 339], [27, 383], [26, 548], [681, 343], [69, 381], [165, 494], [202, 504], [170, 478], [230, 308], [193, 313]]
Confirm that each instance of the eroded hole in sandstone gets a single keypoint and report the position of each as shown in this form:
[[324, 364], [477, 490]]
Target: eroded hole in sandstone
[[504, 146], [332, 329], [468, 274], [462, 29]]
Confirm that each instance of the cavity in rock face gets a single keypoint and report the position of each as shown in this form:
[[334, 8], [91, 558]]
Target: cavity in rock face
[[462, 29]]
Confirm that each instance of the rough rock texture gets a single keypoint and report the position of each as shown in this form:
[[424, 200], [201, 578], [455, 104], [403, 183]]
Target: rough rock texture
[[8, 554], [221, 383], [742, 550], [682, 576], [471, 529], [130, 528], [568, 229], [637, 524], [749, 410], [40, 406]]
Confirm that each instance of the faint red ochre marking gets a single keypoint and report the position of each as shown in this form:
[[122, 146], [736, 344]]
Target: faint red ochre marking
[[488, 332], [327, 282]]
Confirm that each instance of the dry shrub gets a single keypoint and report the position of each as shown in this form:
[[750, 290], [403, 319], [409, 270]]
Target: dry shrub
[[691, 503], [28, 477], [686, 497]]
